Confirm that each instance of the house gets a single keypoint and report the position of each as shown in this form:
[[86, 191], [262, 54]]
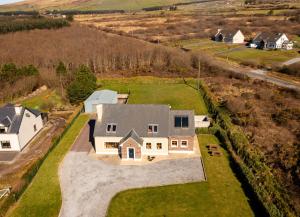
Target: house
[[100, 97], [266, 40], [136, 130], [228, 36], [18, 125]]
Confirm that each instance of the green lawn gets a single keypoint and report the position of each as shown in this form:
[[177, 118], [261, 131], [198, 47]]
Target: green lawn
[[43, 197], [149, 90], [44, 101], [220, 196]]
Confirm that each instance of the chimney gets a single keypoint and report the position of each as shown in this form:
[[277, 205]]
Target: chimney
[[18, 109], [99, 109]]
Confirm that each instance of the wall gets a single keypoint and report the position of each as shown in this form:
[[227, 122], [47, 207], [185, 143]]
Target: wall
[[189, 148], [238, 38], [100, 148], [14, 142], [154, 150], [26, 131], [133, 144]]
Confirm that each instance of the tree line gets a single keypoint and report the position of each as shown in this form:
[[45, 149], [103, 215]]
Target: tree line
[[14, 25], [11, 73]]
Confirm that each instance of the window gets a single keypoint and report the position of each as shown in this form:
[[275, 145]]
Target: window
[[5, 144], [34, 128], [174, 143], [2, 129], [148, 145], [184, 143], [111, 145], [152, 128], [181, 121], [111, 128], [27, 115], [158, 146]]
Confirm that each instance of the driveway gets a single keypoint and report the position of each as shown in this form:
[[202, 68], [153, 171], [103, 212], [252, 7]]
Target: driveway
[[89, 184], [291, 61]]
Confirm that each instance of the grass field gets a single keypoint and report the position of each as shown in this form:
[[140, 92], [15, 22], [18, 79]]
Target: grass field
[[43, 196], [149, 90], [44, 101], [221, 195], [88, 5]]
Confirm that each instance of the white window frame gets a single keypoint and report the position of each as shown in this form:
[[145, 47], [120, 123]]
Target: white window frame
[[6, 141], [161, 145], [152, 125], [184, 146], [150, 145], [112, 125], [174, 140]]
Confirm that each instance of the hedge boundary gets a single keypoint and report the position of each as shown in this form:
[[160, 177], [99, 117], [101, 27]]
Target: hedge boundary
[[250, 161], [32, 171]]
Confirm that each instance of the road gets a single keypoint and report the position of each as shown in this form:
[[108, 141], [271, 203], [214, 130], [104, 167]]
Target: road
[[291, 61]]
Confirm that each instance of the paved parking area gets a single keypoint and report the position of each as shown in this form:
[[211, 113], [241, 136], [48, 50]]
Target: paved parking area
[[7, 156], [89, 184]]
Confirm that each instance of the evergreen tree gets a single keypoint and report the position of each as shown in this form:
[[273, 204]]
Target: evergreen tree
[[82, 86], [61, 71]]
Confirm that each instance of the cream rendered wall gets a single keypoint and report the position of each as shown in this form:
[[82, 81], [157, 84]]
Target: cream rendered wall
[[280, 41], [26, 130], [238, 38], [14, 142], [100, 148], [154, 150]]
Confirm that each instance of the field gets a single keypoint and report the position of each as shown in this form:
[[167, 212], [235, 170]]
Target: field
[[43, 197], [87, 5], [221, 195]]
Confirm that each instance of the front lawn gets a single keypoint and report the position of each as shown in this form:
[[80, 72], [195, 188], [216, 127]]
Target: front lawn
[[153, 90], [222, 195], [43, 196]]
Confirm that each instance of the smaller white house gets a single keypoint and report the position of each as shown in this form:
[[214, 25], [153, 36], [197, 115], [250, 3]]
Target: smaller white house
[[266, 40], [201, 121], [18, 125], [228, 36]]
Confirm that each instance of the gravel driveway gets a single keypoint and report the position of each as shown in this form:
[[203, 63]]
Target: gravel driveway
[[88, 184]]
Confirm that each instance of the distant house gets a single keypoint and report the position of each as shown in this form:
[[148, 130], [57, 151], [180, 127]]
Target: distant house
[[18, 125], [136, 130], [100, 97], [202, 121], [228, 36], [266, 40]]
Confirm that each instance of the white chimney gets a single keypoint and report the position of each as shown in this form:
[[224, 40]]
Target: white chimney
[[99, 109], [18, 109]]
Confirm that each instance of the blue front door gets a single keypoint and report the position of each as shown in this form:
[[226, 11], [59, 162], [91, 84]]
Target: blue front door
[[131, 153]]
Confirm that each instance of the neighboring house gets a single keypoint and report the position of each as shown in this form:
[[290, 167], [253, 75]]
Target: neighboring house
[[234, 36], [202, 121], [18, 125], [100, 97], [266, 40], [133, 131]]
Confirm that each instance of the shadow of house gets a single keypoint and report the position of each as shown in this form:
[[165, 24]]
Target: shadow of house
[[92, 123]]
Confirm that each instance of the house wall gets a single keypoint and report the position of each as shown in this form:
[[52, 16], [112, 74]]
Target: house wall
[[14, 142], [154, 150], [238, 38], [179, 148], [130, 143], [100, 148], [26, 131]]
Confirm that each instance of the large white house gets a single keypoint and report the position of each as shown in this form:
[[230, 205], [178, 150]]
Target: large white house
[[266, 40], [18, 125], [230, 36], [136, 130]]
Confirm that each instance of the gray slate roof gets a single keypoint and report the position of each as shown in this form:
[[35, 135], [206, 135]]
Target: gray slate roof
[[227, 33], [132, 134], [10, 119], [267, 37], [137, 117]]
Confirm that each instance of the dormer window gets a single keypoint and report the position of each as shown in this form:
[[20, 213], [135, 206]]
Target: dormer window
[[111, 128], [152, 128], [181, 122], [2, 129]]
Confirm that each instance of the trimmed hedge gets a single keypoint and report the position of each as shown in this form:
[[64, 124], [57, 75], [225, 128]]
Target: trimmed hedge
[[31, 172], [250, 161]]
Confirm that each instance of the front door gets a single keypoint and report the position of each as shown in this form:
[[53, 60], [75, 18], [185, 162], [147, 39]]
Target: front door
[[131, 153]]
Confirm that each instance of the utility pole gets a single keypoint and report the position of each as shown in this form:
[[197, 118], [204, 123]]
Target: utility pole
[[199, 70]]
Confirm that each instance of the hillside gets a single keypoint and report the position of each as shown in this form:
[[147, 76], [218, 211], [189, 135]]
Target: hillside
[[87, 4]]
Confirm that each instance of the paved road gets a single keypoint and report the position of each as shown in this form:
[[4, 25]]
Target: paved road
[[291, 61], [88, 184]]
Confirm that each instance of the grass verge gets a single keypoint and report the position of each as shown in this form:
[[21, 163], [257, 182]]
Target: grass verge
[[43, 196]]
